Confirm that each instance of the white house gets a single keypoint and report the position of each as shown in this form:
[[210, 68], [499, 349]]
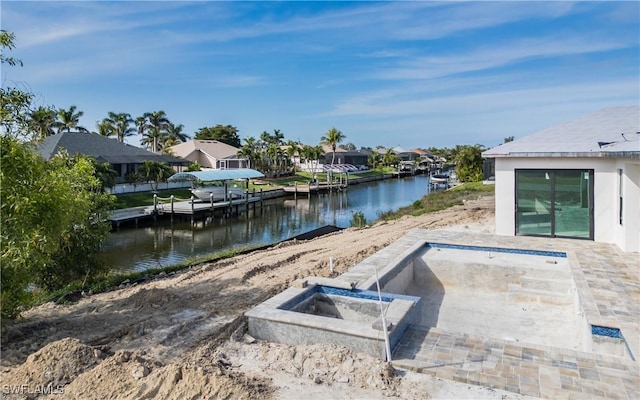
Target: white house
[[210, 154], [580, 179]]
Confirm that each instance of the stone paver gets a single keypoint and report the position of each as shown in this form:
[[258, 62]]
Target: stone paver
[[608, 285]]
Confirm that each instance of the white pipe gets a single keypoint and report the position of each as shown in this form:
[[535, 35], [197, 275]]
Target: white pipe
[[387, 347], [331, 265]]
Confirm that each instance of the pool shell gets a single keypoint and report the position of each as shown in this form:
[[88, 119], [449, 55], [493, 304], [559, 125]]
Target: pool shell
[[280, 319], [277, 318]]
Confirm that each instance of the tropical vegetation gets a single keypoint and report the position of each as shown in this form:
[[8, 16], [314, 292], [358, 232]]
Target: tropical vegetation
[[53, 212]]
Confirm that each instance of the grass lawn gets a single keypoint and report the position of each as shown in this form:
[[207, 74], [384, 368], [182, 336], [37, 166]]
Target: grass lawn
[[146, 198], [441, 200], [300, 178]]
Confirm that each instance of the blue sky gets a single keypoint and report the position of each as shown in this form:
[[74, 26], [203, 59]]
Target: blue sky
[[409, 74]]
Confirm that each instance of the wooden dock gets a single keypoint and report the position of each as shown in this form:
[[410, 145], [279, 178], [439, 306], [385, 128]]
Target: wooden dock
[[313, 188], [192, 209]]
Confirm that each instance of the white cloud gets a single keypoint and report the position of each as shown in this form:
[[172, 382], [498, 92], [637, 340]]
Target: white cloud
[[489, 101], [498, 55]]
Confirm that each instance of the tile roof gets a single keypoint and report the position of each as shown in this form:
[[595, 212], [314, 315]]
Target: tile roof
[[610, 132], [101, 148], [212, 148]]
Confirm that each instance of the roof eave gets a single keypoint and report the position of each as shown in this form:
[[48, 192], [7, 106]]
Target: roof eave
[[589, 154]]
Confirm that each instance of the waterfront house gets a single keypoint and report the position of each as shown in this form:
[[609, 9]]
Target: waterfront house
[[210, 154], [123, 158], [579, 179], [359, 158]]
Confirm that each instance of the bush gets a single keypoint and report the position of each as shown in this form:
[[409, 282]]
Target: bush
[[51, 227]]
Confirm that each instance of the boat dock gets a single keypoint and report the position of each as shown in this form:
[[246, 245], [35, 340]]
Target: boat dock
[[192, 209], [313, 188]]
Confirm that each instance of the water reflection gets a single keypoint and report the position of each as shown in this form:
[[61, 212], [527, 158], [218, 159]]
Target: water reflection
[[166, 243]]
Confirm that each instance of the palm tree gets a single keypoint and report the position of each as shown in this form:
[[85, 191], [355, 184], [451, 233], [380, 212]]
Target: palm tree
[[141, 124], [155, 131], [278, 137], [252, 151], [291, 151], [175, 133], [247, 153], [42, 121], [69, 119], [104, 128], [390, 158], [156, 172], [332, 138], [121, 124], [374, 159], [275, 155]]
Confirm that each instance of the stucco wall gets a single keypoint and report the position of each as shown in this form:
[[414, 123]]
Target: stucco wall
[[606, 222]]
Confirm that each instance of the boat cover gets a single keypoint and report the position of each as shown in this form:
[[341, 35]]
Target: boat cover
[[216, 175]]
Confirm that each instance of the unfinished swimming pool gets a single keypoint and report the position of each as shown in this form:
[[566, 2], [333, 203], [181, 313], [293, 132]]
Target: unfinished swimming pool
[[509, 294], [333, 311], [496, 293]]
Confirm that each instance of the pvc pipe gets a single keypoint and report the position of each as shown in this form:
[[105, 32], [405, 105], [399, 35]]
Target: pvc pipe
[[387, 347]]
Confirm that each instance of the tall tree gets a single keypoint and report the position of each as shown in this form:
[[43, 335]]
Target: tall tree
[[121, 125], [155, 131], [249, 151], [104, 128], [42, 122], [332, 138], [223, 133], [69, 119], [175, 133], [275, 156], [141, 124], [276, 138]]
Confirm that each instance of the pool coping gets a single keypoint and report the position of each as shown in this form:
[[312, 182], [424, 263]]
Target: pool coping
[[529, 369]]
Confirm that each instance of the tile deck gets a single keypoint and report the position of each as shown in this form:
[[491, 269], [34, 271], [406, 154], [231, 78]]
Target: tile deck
[[608, 284]]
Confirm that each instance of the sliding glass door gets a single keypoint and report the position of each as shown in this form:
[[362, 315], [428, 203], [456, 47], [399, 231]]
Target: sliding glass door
[[555, 203]]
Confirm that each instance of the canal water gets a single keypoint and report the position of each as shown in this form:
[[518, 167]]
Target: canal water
[[164, 243]]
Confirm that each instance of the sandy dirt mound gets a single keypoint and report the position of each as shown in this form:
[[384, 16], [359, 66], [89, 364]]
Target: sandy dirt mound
[[54, 366], [319, 363], [161, 338], [139, 377]]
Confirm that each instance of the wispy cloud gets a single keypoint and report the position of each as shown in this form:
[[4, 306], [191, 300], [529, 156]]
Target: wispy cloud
[[498, 55], [52, 22], [387, 104]]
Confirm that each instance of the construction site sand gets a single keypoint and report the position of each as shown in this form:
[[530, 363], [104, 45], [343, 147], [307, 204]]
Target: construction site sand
[[183, 335]]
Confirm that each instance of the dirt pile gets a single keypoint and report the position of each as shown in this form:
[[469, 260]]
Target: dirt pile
[[53, 367], [320, 363], [138, 377]]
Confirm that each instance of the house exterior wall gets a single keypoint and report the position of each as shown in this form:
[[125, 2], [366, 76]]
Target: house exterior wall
[[607, 227], [202, 160]]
